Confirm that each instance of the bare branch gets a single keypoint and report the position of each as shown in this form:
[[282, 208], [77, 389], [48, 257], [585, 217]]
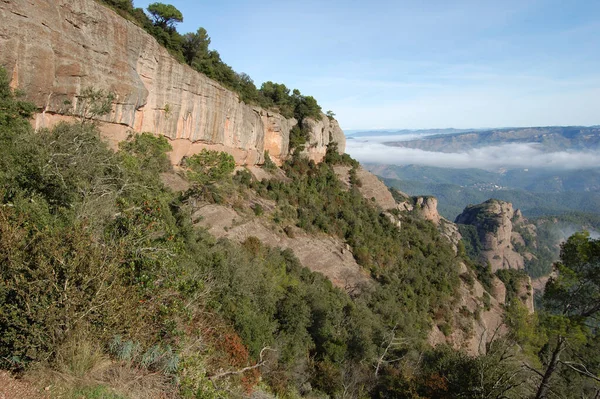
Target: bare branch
[[260, 363], [583, 370]]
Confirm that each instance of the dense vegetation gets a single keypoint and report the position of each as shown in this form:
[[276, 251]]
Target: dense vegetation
[[98, 260], [193, 49]]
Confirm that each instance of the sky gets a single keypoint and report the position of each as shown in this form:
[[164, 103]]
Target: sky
[[417, 64]]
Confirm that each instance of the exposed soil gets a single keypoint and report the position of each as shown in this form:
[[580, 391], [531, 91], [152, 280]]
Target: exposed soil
[[12, 388]]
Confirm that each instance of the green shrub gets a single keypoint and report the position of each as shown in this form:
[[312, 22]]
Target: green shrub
[[269, 164], [209, 166], [96, 392], [487, 301], [258, 209], [446, 329]]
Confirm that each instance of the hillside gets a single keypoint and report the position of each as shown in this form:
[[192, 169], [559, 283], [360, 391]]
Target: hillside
[[162, 238], [178, 285], [537, 192], [548, 139]]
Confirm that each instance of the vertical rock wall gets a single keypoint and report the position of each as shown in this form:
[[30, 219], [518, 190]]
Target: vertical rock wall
[[53, 49]]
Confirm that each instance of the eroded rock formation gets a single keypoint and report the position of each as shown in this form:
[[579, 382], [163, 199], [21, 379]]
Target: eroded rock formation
[[494, 221], [54, 49]]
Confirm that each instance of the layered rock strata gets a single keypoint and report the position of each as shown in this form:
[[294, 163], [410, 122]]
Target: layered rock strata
[[54, 49]]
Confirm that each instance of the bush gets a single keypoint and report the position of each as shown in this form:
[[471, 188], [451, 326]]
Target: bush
[[209, 167], [258, 209], [269, 164]]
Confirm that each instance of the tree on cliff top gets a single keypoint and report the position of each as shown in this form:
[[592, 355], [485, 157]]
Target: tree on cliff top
[[165, 15]]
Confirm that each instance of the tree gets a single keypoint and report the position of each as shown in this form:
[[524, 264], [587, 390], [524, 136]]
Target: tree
[[126, 5], [93, 103], [165, 15], [195, 46], [208, 167], [572, 298]]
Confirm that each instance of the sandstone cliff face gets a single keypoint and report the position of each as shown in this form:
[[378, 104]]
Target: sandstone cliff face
[[53, 49], [494, 223]]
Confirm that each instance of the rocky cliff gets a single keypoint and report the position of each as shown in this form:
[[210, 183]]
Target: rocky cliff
[[495, 222], [53, 49], [478, 316]]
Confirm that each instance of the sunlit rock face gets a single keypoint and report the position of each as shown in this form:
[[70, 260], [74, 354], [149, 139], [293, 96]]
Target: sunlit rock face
[[494, 221], [54, 49]]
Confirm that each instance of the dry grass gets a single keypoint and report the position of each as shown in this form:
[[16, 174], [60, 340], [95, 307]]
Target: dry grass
[[81, 364]]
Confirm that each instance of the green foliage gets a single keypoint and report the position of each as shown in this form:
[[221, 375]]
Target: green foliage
[[93, 103], [269, 164], [209, 166], [165, 15], [514, 281], [258, 209], [146, 153], [52, 279], [298, 137], [470, 240], [446, 373], [96, 392], [121, 5], [293, 105], [155, 358], [576, 289], [333, 156], [572, 303], [409, 263]]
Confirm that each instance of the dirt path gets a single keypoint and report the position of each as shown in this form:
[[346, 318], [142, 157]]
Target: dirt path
[[11, 388]]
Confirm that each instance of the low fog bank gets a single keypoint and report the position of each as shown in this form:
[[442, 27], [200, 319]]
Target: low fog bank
[[514, 155], [566, 231]]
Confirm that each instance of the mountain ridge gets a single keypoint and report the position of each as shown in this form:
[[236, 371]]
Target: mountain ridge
[[550, 138]]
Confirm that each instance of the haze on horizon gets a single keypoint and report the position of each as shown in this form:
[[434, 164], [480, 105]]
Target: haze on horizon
[[435, 64]]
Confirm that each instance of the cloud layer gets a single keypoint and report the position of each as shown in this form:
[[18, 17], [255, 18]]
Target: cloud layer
[[490, 158]]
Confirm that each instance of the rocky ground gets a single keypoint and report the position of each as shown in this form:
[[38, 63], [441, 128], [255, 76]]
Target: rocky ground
[[12, 388]]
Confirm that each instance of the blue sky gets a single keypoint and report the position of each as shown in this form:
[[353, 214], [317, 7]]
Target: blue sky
[[417, 64]]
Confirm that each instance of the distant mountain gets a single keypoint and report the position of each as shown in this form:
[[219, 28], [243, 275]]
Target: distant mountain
[[392, 132], [533, 180], [550, 139]]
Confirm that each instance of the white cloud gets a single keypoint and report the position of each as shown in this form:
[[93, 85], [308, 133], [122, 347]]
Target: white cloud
[[490, 158]]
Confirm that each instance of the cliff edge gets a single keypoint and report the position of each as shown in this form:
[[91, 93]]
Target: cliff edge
[[54, 49]]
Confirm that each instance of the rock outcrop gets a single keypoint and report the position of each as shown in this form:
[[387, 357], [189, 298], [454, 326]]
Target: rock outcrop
[[54, 49], [494, 223], [320, 253], [427, 208], [370, 186], [478, 317]]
